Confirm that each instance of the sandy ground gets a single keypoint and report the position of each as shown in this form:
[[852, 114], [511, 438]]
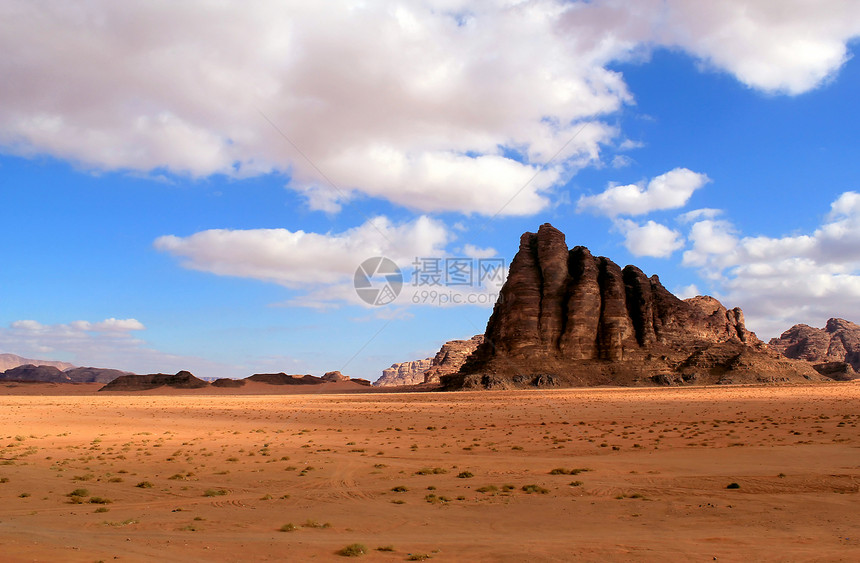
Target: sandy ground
[[640, 474]]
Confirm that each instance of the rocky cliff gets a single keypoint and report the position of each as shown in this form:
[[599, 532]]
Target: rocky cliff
[[406, 373], [833, 350], [447, 360], [450, 358], [565, 317]]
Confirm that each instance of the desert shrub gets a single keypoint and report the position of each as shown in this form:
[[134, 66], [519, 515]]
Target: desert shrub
[[290, 527], [144, 485], [465, 475], [529, 489], [353, 550], [429, 471], [399, 489], [214, 492]]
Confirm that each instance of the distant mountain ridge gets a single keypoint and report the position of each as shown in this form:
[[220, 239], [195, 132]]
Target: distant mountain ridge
[[9, 361]]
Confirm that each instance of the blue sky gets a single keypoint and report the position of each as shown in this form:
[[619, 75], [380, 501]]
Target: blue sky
[[194, 188]]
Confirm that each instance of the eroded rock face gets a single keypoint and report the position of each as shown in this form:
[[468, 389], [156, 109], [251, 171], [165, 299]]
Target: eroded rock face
[[334, 377], [838, 341], [451, 357], [406, 373], [565, 317], [181, 380]]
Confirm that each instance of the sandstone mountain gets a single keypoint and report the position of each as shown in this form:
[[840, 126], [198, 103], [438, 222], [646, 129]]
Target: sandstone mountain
[[447, 360], [181, 380], [451, 357], [405, 373], [334, 377], [9, 361], [565, 317], [834, 350]]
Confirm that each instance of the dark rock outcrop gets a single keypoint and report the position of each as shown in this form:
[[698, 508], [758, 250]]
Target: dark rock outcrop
[[838, 341], [284, 379], [94, 375], [29, 372], [837, 371], [228, 383], [405, 373], [181, 380], [567, 318]]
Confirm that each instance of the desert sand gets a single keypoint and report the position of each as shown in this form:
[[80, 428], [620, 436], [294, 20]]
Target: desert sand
[[550, 475]]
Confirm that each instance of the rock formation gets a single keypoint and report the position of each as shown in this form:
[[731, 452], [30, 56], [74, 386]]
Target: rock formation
[[226, 382], [182, 380], [451, 357], [334, 377], [565, 317], [29, 372], [406, 373], [447, 360], [837, 343], [94, 375], [284, 379], [9, 361]]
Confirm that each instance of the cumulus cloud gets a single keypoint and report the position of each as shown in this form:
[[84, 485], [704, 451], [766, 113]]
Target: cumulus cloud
[[419, 104], [666, 191], [789, 47], [323, 265], [650, 239], [781, 281], [300, 259]]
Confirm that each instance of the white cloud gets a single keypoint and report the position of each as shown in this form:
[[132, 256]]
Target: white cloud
[[696, 214], [299, 259], [418, 104], [650, 239], [323, 266], [621, 161], [666, 191], [687, 291], [473, 251], [781, 281], [785, 46]]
